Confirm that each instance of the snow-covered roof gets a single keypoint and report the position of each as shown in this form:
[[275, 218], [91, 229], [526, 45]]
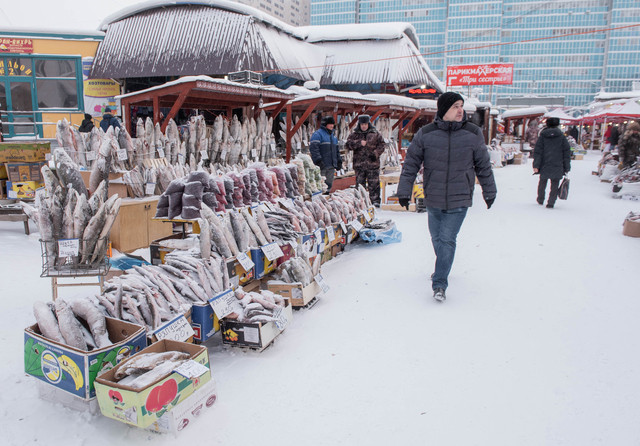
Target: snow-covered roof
[[303, 94], [208, 79], [427, 104], [604, 96], [530, 111], [79, 34], [359, 31], [392, 99], [220, 4], [560, 114]]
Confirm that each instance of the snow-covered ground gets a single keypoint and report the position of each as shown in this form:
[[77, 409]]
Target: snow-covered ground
[[537, 343]]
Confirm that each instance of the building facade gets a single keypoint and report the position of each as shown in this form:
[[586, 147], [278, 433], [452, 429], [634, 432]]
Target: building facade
[[556, 57], [293, 12]]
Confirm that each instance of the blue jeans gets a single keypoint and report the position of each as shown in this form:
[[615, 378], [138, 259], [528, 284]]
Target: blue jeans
[[444, 226]]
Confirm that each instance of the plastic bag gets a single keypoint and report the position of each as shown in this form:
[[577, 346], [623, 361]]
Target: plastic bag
[[388, 234]]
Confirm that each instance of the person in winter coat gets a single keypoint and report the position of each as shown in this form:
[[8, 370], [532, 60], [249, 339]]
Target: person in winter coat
[[367, 146], [453, 153], [614, 137], [324, 150], [531, 135], [551, 159], [573, 132], [629, 146], [108, 120], [87, 124]]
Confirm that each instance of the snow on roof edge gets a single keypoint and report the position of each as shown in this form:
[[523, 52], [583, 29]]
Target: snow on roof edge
[[360, 31], [539, 110]]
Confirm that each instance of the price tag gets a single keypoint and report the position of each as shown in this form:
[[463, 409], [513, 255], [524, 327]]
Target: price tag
[[254, 153], [223, 304], [344, 227], [366, 216], [320, 281], [47, 156], [150, 188], [293, 244], [12, 194], [160, 152], [331, 233], [122, 154], [68, 247], [305, 142], [245, 261], [273, 146], [191, 369], [175, 330], [318, 240], [281, 317], [298, 146], [223, 155], [204, 155], [52, 164], [355, 224], [272, 251], [181, 158], [349, 237], [92, 156]]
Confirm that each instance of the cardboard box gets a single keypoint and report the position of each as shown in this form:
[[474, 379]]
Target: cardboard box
[[518, 158], [143, 407], [24, 189], [73, 370], [578, 156], [295, 292], [258, 335], [237, 275], [631, 228], [185, 413], [3, 172], [326, 255], [203, 321], [262, 265], [158, 252], [20, 172], [3, 189], [11, 152], [288, 252]]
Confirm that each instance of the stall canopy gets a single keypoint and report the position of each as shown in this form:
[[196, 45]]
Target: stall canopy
[[202, 92], [614, 112], [561, 115]]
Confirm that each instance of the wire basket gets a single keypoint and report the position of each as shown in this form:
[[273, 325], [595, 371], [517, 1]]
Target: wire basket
[[54, 265]]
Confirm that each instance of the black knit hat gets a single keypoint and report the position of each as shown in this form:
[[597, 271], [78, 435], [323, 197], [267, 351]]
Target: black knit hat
[[327, 120], [553, 122], [446, 100], [364, 119]]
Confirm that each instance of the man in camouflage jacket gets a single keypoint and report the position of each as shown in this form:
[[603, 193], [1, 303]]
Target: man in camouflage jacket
[[367, 146]]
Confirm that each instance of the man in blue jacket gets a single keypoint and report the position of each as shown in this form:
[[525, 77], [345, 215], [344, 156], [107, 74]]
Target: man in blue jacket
[[324, 150], [108, 120], [453, 153]]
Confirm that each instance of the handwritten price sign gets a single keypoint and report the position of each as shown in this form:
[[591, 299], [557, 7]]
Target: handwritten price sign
[[355, 224], [281, 317], [224, 304], [68, 247], [272, 251], [175, 330], [245, 261]]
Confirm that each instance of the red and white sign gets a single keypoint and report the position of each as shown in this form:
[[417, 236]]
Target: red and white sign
[[11, 45], [489, 74]]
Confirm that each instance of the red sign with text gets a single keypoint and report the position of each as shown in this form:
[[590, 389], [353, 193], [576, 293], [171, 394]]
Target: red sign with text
[[488, 74], [11, 45]]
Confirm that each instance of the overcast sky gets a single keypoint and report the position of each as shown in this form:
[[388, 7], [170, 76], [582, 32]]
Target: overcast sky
[[58, 14]]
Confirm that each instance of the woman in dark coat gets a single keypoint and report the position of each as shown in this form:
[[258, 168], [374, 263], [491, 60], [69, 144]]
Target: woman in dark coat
[[87, 124], [551, 159], [629, 147]]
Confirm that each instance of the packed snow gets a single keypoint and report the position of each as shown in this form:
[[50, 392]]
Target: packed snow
[[536, 344]]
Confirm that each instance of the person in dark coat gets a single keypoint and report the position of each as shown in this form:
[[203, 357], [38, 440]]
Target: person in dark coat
[[324, 150], [614, 137], [573, 132], [87, 124], [108, 120], [551, 160], [453, 153], [367, 146], [629, 146]]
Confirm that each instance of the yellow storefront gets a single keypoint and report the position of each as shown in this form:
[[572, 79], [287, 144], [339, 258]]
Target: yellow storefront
[[42, 82]]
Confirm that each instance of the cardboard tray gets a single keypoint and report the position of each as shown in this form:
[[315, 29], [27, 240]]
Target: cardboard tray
[[73, 370], [295, 292], [143, 407], [631, 228], [257, 336]]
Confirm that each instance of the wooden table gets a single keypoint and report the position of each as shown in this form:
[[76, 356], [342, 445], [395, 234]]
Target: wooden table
[[12, 213]]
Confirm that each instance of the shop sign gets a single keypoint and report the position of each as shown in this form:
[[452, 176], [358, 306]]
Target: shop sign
[[14, 68], [488, 74], [12, 45]]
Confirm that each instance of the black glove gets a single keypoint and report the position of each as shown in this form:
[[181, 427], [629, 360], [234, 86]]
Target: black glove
[[404, 202], [339, 165], [321, 165], [489, 202]]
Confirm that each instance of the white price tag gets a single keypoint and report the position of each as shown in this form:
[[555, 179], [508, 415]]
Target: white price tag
[[224, 303], [245, 261], [160, 152], [52, 165], [12, 194], [293, 244], [355, 224], [191, 369], [305, 142], [344, 227], [366, 216], [320, 281], [272, 251], [265, 207], [298, 146], [181, 158], [204, 155], [150, 188], [254, 153], [122, 154], [223, 155], [288, 203], [251, 335], [273, 146], [92, 156], [281, 317], [331, 233], [349, 237], [68, 247], [47, 156], [176, 330]]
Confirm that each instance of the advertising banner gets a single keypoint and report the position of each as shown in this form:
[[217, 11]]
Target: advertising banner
[[488, 74], [98, 93]]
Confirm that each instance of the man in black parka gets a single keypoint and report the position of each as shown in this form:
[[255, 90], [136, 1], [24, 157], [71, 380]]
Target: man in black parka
[[453, 153], [552, 160]]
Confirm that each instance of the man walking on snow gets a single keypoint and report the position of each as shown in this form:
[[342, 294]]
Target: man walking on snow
[[453, 153]]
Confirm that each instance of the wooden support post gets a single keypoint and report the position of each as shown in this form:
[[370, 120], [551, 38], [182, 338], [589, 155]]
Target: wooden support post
[[174, 110], [156, 110]]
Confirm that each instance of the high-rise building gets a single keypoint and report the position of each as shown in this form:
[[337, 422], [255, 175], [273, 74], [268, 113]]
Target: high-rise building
[[550, 44], [293, 12]]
